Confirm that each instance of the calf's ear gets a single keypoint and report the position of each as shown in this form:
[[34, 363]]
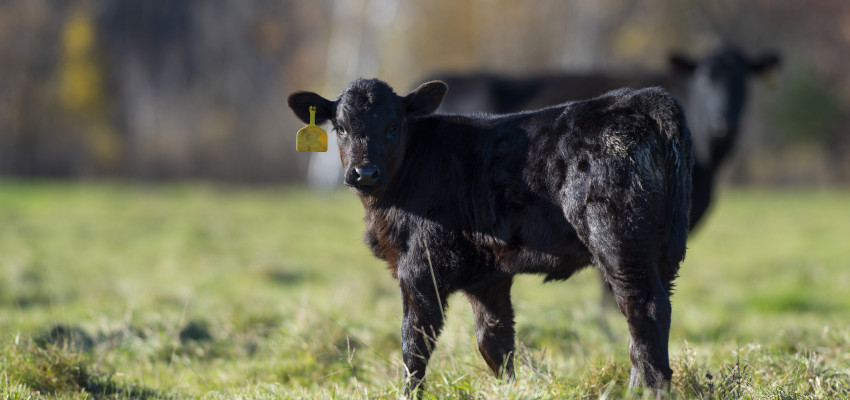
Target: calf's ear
[[426, 98], [682, 63], [300, 103], [765, 62]]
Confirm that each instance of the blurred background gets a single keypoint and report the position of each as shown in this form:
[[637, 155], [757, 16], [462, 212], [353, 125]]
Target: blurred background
[[216, 290], [196, 89]]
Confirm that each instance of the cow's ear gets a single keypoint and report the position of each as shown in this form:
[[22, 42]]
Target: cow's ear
[[682, 63], [300, 103], [765, 62], [426, 98]]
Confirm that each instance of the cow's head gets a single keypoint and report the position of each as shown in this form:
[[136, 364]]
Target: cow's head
[[370, 124], [717, 95]]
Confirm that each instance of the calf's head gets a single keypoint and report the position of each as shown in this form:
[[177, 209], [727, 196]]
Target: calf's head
[[717, 95], [370, 122]]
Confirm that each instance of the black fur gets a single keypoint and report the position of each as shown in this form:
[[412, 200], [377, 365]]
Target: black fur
[[463, 203]]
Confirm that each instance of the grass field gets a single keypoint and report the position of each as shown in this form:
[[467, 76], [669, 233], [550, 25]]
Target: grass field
[[114, 290]]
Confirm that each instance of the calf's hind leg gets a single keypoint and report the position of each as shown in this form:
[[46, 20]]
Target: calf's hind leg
[[646, 305], [494, 323]]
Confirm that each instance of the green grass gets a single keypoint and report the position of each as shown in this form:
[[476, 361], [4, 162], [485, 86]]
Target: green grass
[[119, 290]]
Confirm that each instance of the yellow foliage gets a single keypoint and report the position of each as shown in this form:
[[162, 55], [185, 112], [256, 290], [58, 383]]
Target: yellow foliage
[[81, 90], [78, 35], [80, 82]]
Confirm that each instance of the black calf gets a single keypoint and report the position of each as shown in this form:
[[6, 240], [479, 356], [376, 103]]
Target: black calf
[[464, 203]]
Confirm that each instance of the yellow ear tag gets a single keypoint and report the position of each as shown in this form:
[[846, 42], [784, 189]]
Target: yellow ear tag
[[311, 137]]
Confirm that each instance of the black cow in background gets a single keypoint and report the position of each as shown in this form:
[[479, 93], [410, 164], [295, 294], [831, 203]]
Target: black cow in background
[[463, 203], [712, 91]]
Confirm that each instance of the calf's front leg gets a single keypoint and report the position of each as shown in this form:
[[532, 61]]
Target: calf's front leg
[[421, 324]]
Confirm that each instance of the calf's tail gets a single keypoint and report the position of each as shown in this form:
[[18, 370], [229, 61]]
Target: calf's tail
[[679, 156], [678, 147]]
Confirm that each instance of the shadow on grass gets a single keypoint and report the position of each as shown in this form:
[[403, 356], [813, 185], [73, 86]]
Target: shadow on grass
[[64, 371]]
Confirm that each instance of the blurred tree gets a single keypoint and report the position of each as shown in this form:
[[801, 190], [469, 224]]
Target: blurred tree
[[80, 87], [82, 93], [196, 88], [32, 142]]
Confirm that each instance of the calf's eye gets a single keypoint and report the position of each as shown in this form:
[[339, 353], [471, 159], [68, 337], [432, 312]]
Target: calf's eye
[[393, 131], [340, 132]]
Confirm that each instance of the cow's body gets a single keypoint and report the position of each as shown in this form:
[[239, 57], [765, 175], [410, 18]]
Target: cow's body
[[464, 203]]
